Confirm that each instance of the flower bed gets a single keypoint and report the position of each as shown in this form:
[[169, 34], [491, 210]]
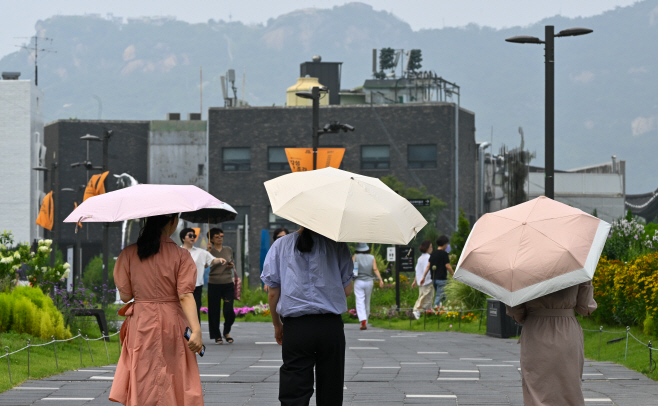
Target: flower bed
[[259, 310]]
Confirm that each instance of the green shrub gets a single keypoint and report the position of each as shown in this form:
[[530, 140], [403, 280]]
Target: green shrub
[[29, 310], [462, 296], [92, 276]]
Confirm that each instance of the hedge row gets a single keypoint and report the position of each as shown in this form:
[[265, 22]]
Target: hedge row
[[627, 292], [29, 310]]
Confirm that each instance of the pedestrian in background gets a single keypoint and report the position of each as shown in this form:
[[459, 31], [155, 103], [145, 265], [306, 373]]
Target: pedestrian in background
[[309, 277], [365, 266], [439, 264], [157, 366], [202, 259], [221, 289], [278, 233], [424, 301]]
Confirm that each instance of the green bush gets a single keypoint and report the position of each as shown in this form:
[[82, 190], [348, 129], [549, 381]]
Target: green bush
[[462, 296], [29, 310], [92, 276]]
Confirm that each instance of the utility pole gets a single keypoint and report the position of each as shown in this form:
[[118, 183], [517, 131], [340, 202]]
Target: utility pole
[[106, 226], [315, 94], [36, 51]]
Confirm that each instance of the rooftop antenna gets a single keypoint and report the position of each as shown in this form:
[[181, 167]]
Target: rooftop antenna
[[244, 80], [36, 51], [222, 79]]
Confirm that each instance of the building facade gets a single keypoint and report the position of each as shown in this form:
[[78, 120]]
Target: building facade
[[413, 142], [22, 140]]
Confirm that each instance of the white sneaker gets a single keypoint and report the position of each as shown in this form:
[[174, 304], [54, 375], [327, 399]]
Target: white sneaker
[[417, 315]]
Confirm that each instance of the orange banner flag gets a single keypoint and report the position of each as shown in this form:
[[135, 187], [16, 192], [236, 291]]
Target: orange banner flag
[[96, 186], [46, 214], [197, 230], [301, 159]]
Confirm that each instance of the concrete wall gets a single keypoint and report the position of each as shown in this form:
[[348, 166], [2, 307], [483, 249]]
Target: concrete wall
[[393, 125], [178, 152], [21, 134]]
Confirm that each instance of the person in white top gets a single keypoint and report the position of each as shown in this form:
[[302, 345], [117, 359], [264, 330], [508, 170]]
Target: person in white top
[[425, 291], [202, 259]]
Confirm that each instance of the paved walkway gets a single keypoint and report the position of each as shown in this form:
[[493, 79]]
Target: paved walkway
[[383, 367]]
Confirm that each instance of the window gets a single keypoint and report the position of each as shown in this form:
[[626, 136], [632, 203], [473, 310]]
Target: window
[[276, 222], [375, 157], [277, 159], [239, 219], [236, 159], [200, 170], [421, 156]]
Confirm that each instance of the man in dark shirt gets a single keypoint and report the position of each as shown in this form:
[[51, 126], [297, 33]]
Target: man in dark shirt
[[439, 264]]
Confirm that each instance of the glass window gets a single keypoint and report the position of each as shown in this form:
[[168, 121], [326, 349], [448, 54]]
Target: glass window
[[236, 159], [375, 157], [239, 219], [276, 222], [421, 156], [277, 159]]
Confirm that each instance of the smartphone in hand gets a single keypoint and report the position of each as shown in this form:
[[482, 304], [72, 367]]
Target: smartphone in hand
[[188, 334]]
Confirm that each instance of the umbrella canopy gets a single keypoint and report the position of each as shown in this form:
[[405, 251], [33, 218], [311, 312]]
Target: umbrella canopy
[[212, 215], [531, 250], [142, 201], [344, 206]]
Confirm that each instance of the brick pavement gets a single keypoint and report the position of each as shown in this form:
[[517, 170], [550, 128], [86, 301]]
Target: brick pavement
[[383, 367]]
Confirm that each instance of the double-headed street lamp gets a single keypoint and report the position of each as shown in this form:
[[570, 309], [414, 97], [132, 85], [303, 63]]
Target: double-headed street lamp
[[549, 124], [330, 128]]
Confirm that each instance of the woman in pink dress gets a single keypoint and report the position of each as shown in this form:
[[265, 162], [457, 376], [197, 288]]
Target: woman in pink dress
[[157, 365]]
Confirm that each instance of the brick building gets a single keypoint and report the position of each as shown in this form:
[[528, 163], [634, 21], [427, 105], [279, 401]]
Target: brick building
[[413, 142]]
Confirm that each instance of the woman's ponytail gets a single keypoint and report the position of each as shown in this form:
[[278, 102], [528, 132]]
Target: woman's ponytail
[[148, 243], [305, 241]]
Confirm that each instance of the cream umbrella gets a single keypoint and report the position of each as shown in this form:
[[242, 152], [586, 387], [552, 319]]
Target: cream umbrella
[[344, 206], [530, 250]]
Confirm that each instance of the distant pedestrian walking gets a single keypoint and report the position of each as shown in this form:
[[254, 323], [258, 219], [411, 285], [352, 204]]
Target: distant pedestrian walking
[[309, 278], [439, 265], [221, 289], [552, 347], [424, 301], [365, 267]]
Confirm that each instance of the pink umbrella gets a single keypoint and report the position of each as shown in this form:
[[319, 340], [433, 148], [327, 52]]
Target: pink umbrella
[[142, 201], [531, 250]]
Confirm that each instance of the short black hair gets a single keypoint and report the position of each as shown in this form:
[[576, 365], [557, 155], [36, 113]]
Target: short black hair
[[278, 231], [184, 232], [442, 240], [214, 231]]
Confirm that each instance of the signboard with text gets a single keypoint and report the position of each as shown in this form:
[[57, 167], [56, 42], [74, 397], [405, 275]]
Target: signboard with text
[[419, 202], [405, 258], [301, 159]]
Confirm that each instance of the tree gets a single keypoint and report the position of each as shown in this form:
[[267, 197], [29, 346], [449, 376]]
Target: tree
[[459, 237], [415, 59], [430, 213]]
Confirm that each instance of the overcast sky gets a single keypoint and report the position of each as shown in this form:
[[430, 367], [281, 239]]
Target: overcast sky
[[17, 18]]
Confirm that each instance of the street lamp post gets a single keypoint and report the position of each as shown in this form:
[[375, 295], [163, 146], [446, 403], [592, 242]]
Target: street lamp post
[[331, 128], [77, 260], [549, 113]]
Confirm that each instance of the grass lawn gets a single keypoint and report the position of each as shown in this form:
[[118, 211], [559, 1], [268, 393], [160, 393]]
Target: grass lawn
[[42, 359]]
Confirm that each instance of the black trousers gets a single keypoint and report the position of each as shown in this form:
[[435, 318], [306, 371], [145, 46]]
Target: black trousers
[[197, 298], [218, 294], [314, 340]]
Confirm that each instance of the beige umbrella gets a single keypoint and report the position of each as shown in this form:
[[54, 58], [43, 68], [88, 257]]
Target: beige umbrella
[[344, 206], [531, 250]]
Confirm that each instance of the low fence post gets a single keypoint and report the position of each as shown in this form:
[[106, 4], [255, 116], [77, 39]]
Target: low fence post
[[460, 318], [89, 346], [80, 345], [438, 320], [106, 352], [481, 317], [8, 363], [600, 338], [652, 363], [424, 318], [55, 349], [626, 352], [410, 316], [28, 358]]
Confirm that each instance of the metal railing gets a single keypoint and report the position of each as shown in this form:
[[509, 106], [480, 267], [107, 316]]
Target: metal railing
[[54, 344], [389, 314], [652, 362]]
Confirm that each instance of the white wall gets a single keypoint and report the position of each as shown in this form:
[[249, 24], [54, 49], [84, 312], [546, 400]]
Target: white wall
[[21, 134]]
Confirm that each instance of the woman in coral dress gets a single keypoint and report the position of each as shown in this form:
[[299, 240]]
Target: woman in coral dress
[[157, 365]]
